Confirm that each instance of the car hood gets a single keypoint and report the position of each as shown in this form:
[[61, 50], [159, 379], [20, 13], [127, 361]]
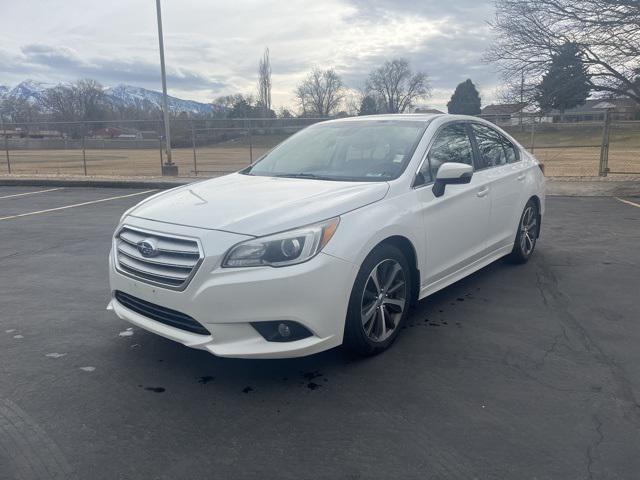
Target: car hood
[[255, 205]]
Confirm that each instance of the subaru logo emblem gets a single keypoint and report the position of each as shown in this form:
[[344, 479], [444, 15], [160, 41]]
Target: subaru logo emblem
[[148, 247]]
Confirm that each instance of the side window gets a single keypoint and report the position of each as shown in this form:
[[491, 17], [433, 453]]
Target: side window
[[490, 146], [451, 145], [495, 149], [510, 150]]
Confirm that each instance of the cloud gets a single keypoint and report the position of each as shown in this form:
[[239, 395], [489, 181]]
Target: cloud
[[62, 61], [213, 50]]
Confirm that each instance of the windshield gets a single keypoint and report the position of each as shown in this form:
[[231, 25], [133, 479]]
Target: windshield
[[350, 151]]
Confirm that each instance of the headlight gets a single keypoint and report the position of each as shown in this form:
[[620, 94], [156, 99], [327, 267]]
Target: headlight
[[281, 249]]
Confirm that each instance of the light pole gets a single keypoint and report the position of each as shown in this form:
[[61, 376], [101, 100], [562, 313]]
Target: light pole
[[168, 168]]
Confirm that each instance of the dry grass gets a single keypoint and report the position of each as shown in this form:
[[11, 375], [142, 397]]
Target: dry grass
[[557, 148]]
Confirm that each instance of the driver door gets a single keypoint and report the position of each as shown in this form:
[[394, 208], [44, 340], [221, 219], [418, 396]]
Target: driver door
[[456, 224]]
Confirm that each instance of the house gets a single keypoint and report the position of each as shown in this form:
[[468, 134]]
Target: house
[[506, 113], [44, 134], [11, 133], [593, 110], [115, 132], [426, 110], [149, 135]]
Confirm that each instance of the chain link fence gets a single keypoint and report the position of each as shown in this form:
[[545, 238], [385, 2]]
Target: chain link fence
[[578, 145], [137, 148], [568, 145]]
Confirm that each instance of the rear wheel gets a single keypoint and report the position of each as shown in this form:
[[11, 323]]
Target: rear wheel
[[527, 235], [379, 301]]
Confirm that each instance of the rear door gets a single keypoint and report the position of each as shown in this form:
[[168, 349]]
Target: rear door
[[500, 161], [455, 223]]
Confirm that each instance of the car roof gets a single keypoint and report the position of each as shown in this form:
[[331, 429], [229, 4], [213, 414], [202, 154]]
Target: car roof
[[427, 118], [408, 117]]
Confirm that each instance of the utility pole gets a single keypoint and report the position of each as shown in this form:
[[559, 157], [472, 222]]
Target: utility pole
[[170, 169], [521, 96]]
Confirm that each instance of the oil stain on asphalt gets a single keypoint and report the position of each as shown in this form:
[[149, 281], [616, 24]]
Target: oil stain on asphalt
[[155, 389]]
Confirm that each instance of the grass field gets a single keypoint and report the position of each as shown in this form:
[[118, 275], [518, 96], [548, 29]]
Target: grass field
[[568, 150], [574, 149]]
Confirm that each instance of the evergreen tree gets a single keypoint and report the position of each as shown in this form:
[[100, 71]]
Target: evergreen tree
[[465, 100], [368, 106], [566, 83]]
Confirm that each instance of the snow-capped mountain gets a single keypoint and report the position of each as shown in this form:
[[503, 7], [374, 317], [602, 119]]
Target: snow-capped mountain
[[119, 96], [29, 90], [130, 96]]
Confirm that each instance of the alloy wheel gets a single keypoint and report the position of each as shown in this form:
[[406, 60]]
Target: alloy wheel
[[384, 300], [528, 230]]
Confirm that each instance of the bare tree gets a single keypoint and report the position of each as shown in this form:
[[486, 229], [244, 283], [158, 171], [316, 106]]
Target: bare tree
[[531, 32], [264, 83], [89, 98], [59, 102], [397, 86], [82, 100], [518, 90], [320, 93], [15, 109]]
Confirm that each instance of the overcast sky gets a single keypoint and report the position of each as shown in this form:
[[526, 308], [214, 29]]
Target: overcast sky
[[213, 47]]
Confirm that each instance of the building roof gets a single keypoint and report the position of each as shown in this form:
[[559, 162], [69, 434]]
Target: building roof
[[427, 110], [597, 105], [503, 109]]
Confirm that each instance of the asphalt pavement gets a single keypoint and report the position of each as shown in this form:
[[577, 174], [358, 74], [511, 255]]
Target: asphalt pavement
[[518, 372]]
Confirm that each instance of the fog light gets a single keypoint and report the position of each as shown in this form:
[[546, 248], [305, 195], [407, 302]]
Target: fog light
[[281, 331]]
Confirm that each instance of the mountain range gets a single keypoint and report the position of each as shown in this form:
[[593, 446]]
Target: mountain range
[[119, 96]]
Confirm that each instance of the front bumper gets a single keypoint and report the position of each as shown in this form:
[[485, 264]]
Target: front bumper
[[225, 301]]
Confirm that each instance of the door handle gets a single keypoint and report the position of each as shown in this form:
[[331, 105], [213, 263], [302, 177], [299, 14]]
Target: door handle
[[521, 177], [483, 192]]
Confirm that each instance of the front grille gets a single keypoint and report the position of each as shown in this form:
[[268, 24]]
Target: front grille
[[160, 314], [170, 263]]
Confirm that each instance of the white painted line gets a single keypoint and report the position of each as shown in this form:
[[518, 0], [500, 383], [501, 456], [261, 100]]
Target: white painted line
[[76, 205], [628, 202], [31, 193], [55, 355]]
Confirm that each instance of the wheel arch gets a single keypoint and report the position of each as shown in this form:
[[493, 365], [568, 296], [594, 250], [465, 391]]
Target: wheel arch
[[405, 245]]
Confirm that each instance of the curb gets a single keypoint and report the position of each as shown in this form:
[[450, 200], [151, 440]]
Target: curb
[[95, 183], [592, 188]]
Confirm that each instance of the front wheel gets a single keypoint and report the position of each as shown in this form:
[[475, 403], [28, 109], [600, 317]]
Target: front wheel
[[527, 235], [379, 301]]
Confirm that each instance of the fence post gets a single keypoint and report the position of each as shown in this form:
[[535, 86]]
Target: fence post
[[193, 144], [160, 146], [604, 148], [533, 133], [6, 149], [84, 153], [250, 145]]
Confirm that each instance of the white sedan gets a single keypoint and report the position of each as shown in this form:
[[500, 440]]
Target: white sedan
[[329, 238]]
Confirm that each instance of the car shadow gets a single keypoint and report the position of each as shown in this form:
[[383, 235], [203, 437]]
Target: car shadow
[[172, 363]]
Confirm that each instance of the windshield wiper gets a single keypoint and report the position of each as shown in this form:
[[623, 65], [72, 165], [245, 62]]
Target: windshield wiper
[[301, 175]]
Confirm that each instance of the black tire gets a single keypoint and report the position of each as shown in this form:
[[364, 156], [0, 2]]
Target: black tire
[[387, 314], [527, 234]]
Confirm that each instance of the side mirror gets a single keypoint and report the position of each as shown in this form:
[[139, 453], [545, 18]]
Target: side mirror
[[451, 173]]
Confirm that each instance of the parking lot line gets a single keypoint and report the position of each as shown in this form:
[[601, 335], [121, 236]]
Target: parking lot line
[[628, 202], [31, 193], [38, 212]]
